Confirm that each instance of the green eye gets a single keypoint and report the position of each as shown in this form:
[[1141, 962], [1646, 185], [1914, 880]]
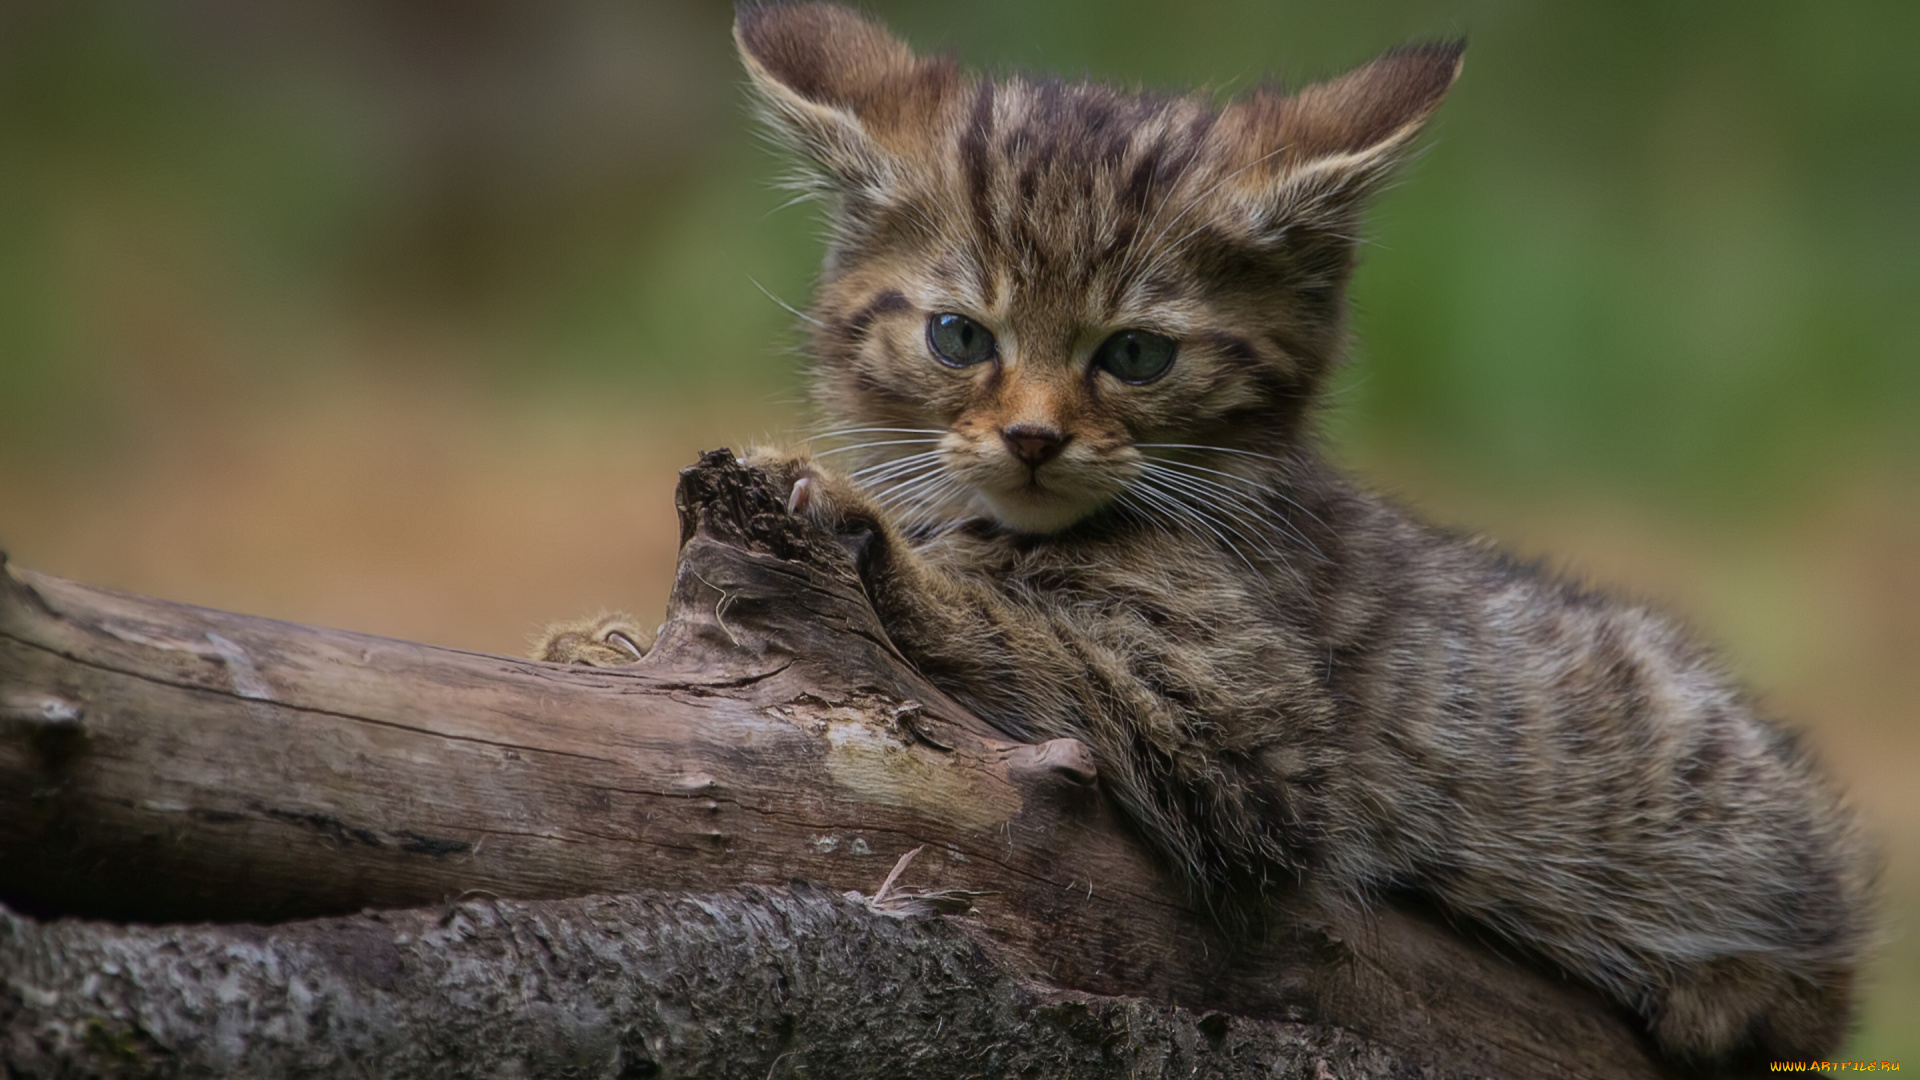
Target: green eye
[[958, 341], [1135, 356]]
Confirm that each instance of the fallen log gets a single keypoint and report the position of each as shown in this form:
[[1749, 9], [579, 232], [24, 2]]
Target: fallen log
[[161, 763]]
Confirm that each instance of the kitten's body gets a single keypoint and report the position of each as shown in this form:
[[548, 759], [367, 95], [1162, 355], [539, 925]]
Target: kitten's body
[[1284, 680]]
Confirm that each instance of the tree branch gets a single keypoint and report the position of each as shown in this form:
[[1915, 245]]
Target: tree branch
[[160, 763]]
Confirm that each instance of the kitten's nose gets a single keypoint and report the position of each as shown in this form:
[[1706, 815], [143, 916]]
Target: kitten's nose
[[1033, 443]]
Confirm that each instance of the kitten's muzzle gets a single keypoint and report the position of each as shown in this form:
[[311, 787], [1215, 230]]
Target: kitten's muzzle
[[1033, 443]]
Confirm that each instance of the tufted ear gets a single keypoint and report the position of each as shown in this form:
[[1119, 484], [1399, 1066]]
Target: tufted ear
[[846, 92], [1314, 156]]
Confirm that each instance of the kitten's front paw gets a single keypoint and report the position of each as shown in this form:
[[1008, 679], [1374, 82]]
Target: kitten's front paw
[[829, 501], [822, 497], [613, 639]]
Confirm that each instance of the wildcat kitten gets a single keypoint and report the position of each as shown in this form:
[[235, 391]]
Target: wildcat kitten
[[1083, 331]]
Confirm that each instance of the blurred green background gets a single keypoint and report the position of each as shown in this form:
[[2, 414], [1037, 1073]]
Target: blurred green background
[[400, 315]]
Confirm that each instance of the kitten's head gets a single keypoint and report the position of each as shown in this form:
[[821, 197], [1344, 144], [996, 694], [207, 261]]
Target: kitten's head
[[1052, 284]]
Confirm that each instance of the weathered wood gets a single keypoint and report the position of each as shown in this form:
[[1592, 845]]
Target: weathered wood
[[160, 762]]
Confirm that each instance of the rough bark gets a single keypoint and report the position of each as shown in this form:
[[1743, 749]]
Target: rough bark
[[163, 763], [754, 983]]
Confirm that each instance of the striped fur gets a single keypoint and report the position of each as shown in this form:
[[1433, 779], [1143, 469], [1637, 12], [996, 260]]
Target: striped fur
[[1288, 682]]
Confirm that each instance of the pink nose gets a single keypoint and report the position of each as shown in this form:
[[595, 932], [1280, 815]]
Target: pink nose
[[1034, 444]]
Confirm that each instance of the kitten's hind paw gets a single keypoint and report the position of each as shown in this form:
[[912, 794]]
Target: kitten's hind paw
[[612, 639], [1729, 1015]]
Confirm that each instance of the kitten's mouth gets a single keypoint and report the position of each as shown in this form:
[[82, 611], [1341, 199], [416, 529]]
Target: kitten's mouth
[[1036, 505], [1036, 497]]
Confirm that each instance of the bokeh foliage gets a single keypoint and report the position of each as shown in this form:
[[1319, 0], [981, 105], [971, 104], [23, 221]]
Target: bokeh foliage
[[1668, 246], [1665, 249]]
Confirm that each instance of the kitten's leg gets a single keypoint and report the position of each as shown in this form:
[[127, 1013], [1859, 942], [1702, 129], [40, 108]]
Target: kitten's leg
[[1712, 1008], [1038, 677], [610, 639], [1224, 816]]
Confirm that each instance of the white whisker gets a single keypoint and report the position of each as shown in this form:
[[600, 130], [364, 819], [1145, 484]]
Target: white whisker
[[790, 309], [1269, 489], [871, 445], [921, 504], [876, 472], [1251, 516], [1238, 516], [1215, 449], [1183, 512], [907, 488], [887, 474], [926, 503], [836, 433], [1241, 497]]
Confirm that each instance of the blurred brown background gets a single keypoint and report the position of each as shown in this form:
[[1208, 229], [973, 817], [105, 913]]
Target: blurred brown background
[[400, 316]]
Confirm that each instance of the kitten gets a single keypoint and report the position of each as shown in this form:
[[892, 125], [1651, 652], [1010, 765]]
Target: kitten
[[1082, 331]]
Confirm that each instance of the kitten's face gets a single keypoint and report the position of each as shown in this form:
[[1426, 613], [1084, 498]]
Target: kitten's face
[[1042, 288], [1017, 296]]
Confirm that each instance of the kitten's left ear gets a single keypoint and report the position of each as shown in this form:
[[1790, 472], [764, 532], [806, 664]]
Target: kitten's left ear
[[1317, 154], [852, 97]]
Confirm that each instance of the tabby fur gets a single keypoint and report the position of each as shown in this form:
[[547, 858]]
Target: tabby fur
[[1287, 682]]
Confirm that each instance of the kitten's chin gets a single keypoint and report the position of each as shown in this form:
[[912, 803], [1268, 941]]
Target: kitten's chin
[[1037, 512]]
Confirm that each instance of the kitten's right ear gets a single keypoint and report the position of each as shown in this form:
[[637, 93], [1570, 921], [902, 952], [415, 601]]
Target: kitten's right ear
[[847, 93]]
